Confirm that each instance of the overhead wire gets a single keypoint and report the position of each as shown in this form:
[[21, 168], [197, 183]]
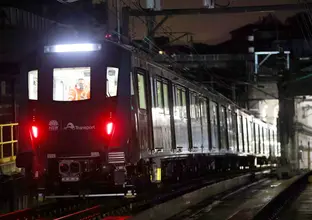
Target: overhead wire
[[306, 18], [154, 22], [221, 82], [154, 52], [139, 6], [158, 49]]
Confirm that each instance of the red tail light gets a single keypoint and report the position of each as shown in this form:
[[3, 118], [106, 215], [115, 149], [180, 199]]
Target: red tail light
[[34, 131], [109, 128]]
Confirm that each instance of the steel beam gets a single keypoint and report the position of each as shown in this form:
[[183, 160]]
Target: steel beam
[[158, 26], [177, 38], [229, 10]]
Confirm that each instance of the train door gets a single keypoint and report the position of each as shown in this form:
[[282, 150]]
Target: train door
[[223, 129], [180, 119], [161, 116], [144, 109], [215, 144], [204, 124], [240, 134], [195, 118], [252, 137]]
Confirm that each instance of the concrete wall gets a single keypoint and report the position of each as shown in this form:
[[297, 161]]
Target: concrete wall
[[303, 131], [303, 112], [305, 153], [266, 107], [263, 91], [263, 101]]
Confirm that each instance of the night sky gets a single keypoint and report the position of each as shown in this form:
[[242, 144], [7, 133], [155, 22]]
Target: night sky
[[212, 29]]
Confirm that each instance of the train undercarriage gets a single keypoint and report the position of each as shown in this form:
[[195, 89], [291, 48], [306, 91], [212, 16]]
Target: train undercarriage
[[64, 177]]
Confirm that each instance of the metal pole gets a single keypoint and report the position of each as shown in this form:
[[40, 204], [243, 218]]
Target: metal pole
[[118, 11], [150, 34], [309, 156]]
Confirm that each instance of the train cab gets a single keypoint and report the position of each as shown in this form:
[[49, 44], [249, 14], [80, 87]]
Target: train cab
[[75, 121]]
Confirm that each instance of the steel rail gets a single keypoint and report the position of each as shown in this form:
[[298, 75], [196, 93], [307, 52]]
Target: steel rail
[[95, 208], [125, 212]]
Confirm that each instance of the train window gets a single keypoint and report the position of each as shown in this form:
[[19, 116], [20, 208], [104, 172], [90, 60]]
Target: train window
[[141, 91], [240, 134], [235, 131], [261, 139], [159, 94], [266, 141], [33, 85], [222, 116], [131, 83], [223, 131], [204, 122], [166, 98], [197, 107], [245, 131], [214, 125], [193, 105], [111, 81], [247, 135], [230, 129], [178, 97], [251, 137], [250, 150], [203, 107], [184, 104], [257, 138], [272, 143], [71, 84], [178, 107]]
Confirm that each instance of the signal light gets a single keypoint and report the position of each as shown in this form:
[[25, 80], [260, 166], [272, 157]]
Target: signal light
[[34, 131], [109, 128]]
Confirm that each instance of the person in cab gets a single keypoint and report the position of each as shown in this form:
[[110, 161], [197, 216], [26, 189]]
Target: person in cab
[[80, 92]]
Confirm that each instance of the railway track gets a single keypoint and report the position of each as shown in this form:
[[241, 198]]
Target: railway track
[[105, 207], [292, 203]]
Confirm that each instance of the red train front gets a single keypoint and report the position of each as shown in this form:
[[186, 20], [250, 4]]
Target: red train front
[[76, 123]]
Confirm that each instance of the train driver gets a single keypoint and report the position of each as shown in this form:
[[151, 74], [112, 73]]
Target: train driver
[[80, 92]]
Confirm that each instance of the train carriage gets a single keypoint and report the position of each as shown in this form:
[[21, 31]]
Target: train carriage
[[104, 114]]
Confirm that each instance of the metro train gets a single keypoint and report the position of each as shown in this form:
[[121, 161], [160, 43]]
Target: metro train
[[105, 115]]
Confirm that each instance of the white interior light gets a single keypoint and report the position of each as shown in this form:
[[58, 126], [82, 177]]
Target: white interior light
[[62, 48]]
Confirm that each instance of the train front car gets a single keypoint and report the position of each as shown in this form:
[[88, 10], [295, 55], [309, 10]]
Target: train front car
[[75, 127]]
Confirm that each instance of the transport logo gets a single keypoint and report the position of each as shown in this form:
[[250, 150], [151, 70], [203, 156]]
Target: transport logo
[[53, 125], [71, 126]]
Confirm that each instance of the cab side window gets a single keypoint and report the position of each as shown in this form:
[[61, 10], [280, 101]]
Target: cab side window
[[33, 85], [111, 81], [141, 91]]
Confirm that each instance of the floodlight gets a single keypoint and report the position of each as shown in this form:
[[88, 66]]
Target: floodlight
[[63, 48]]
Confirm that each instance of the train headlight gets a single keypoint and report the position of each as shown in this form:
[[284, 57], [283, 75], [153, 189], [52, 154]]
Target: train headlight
[[63, 48]]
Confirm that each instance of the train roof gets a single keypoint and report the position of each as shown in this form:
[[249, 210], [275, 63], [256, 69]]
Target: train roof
[[196, 86], [180, 80]]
